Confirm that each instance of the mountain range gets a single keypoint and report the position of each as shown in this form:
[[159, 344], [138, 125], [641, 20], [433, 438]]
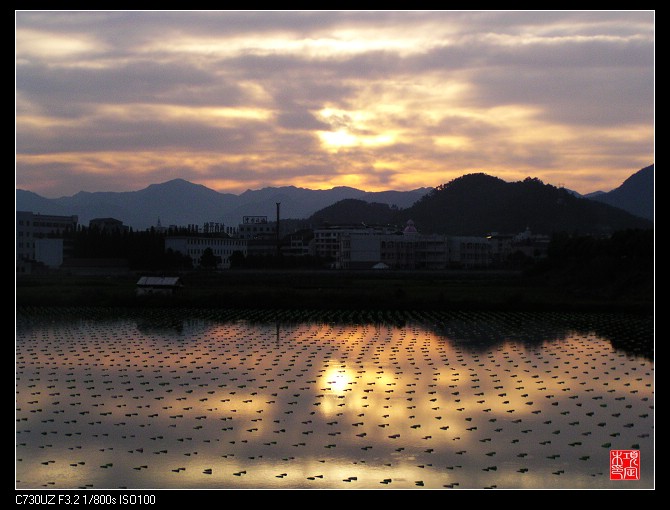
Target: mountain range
[[180, 202], [633, 195], [471, 204]]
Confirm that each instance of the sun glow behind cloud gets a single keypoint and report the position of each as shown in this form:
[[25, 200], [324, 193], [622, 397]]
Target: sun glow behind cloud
[[351, 129], [373, 100]]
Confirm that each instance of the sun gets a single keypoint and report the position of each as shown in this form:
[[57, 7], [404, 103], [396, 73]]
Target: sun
[[338, 139]]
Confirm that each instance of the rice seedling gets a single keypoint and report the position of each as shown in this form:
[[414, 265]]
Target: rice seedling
[[367, 399]]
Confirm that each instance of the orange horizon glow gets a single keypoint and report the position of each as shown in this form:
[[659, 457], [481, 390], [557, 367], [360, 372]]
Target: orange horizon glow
[[427, 176]]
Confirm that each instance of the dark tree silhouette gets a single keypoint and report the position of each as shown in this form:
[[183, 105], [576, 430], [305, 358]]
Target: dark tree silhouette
[[237, 260], [208, 260]]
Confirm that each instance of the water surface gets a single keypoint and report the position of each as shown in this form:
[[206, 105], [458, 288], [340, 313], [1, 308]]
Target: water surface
[[110, 399]]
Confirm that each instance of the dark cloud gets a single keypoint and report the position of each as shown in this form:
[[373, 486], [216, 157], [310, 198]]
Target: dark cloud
[[300, 120], [581, 70], [141, 135], [60, 89], [130, 28], [484, 51], [579, 97]]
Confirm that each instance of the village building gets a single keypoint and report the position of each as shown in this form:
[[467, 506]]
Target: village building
[[158, 285], [410, 249], [39, 240], [195, 246]]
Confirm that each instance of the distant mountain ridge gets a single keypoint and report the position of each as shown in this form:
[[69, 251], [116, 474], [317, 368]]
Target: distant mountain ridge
[[633, 194], [180, 202], [471, 204]]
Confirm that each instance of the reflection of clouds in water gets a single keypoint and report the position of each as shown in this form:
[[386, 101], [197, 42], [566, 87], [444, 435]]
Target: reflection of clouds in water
[[631, 333], [481, 330], [372, 401]]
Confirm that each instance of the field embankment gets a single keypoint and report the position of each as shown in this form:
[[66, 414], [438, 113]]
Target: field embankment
[[332, 289]]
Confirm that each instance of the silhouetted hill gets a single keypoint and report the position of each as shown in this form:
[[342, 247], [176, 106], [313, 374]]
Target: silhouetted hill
[[477, 204], [635, 195], [401, 199], [355, 212]]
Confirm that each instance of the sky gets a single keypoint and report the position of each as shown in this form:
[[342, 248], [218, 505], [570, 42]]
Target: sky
[[376, 100]]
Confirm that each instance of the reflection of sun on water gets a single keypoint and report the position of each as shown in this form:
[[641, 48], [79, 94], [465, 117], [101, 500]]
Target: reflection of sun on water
[[339, 379], [325, 405], [337, 382]]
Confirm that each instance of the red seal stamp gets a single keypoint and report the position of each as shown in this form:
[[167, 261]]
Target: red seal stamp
[[624, 464]]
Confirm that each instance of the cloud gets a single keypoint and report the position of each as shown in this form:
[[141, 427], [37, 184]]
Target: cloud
[[137, 82], [101, 133], [331, 97], [300, 120]]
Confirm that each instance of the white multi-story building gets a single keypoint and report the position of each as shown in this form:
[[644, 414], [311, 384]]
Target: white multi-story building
[[39, 239], [411, 250], [327, 239], [195, 246], [49, 251], [401, 250], [501, 246], [300, 244], [531, 245], [469, 251]]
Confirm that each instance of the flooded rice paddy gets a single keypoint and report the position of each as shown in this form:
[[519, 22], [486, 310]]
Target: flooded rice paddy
[[113, 399]]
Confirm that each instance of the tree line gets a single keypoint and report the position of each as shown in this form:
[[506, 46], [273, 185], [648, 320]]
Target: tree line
[[620, 263], [141, 250], [625, 257]]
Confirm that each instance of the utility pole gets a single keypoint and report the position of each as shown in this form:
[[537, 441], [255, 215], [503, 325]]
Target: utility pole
[[278, 247]]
